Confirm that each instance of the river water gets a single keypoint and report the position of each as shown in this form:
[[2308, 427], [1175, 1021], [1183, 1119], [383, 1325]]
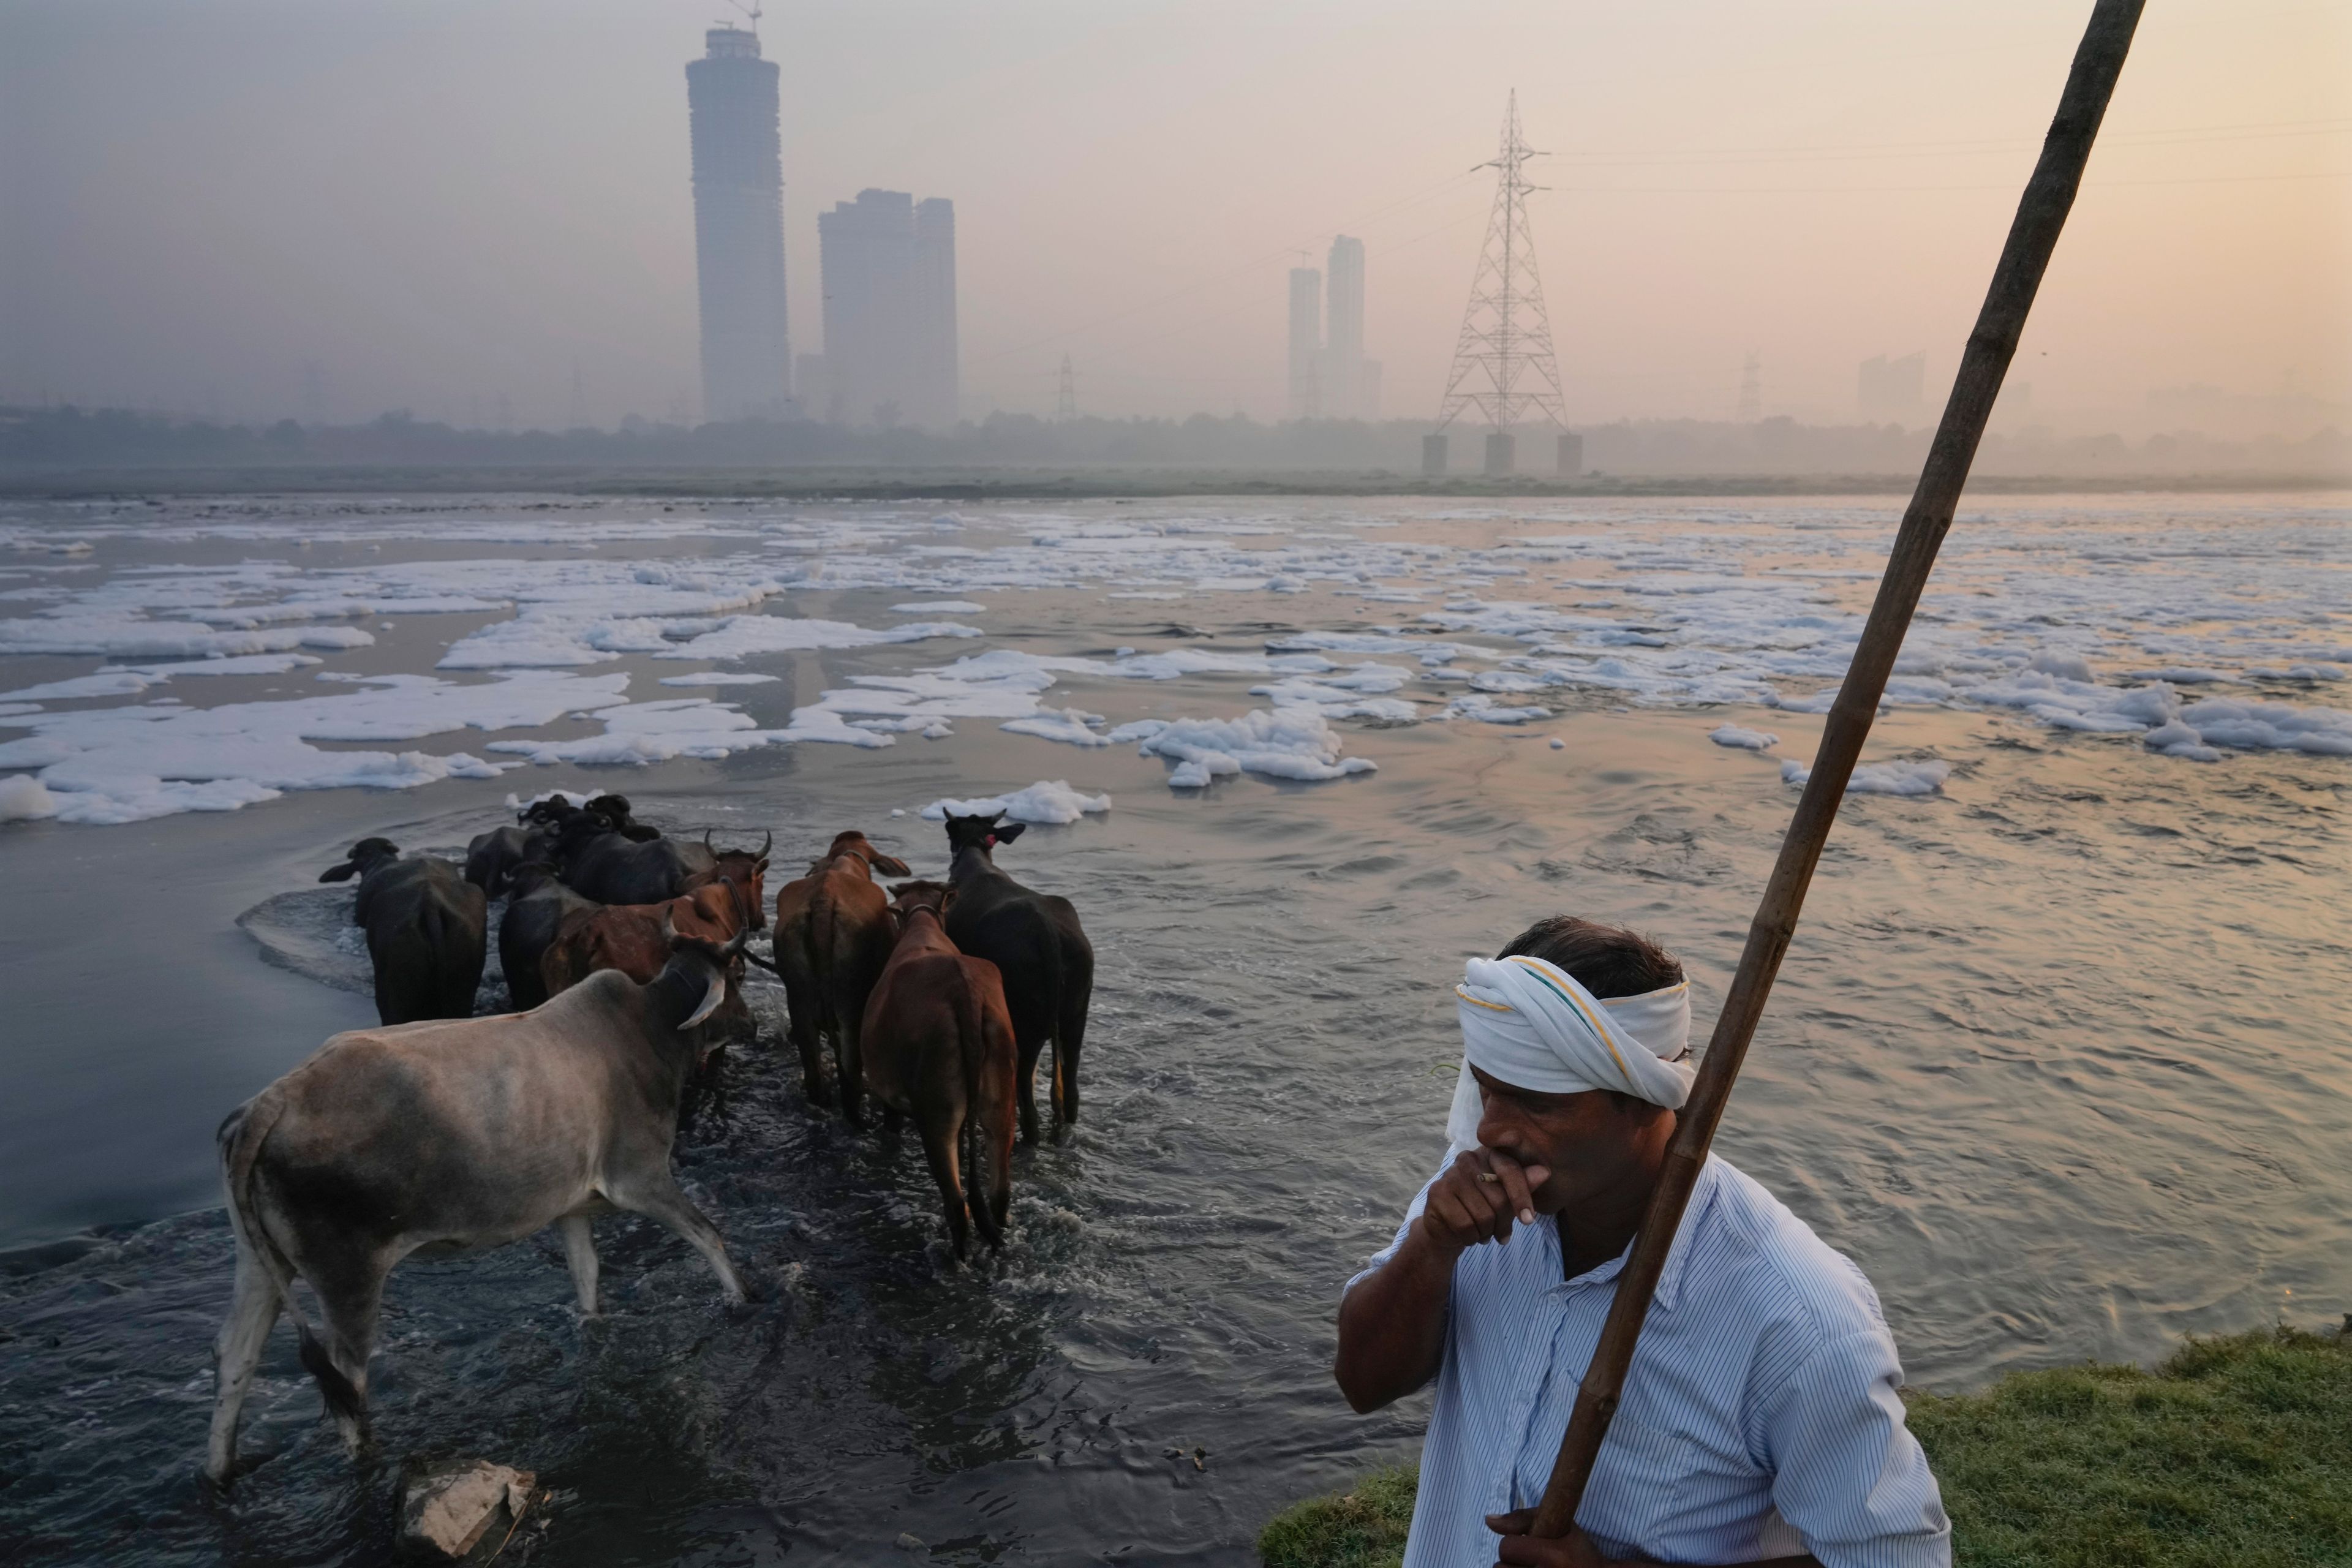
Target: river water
[[2060, 1054]]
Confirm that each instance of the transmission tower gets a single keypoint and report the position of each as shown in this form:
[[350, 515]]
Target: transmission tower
[[1065, 400], [1751, 388], [1503, 362]]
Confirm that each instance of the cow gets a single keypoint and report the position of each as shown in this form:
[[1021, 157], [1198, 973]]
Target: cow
[[629, 937], [536, 911], [1037, 944], [491, 857], [615, 809], [937, 1046], [833, 937], [449, 1137], [602, 863], [428, 931]]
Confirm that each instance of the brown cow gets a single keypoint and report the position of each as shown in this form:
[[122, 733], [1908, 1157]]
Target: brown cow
[[747, 870], [939, 1048], [833, 937], [636, 939]]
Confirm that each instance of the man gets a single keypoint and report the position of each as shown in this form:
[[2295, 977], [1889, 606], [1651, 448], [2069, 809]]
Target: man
[[1759, 1419]]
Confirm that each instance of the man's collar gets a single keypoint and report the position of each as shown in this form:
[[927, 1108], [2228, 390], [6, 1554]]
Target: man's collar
[[1670, 1278]]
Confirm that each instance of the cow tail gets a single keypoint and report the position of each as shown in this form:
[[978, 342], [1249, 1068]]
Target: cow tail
[[822, 924], [988, 1057], [241, 1137]]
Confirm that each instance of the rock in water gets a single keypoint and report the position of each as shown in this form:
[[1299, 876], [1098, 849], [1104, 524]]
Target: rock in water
[[446, 1509]]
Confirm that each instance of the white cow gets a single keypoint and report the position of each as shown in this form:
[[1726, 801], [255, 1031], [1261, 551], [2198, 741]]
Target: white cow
[[454, 1135]]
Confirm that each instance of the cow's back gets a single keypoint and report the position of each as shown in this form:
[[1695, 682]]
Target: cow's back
[[612, 870], [428, 939], [1034, 941], [448, 1124]]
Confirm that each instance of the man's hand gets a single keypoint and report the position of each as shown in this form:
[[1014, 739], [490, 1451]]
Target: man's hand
[[1520, 1549], [1479, 1197]]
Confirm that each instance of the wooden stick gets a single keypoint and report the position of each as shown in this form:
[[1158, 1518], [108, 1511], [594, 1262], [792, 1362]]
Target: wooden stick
[[2041, 215]]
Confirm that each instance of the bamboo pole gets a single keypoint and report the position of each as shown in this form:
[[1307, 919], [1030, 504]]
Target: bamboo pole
[[2041, 215]]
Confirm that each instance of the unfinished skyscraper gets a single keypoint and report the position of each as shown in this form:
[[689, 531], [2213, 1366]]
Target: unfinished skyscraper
[[739, 229], [888, 262], [1306, 343]]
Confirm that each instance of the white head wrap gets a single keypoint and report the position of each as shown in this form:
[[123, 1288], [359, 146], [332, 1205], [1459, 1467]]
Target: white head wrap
[[1528, 1024]]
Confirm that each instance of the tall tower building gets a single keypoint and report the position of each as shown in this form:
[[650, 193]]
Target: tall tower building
[[889, 310], [739, 229], [1343, 341], [1306, 343]]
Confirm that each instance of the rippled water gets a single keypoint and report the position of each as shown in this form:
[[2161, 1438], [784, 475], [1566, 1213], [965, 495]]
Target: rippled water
[[2059, 1055]]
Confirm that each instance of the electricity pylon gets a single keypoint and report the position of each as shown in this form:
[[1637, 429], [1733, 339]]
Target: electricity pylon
[[1503, 362], [1751, 388], [1065, 400]]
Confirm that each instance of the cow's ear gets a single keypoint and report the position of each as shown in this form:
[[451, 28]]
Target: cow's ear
[[897, 916], [892, 866], [1007, 832], [760, 866], [342, 873], [947, 902]]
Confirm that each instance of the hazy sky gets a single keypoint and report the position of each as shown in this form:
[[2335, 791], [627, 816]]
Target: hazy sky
[[440, 204]]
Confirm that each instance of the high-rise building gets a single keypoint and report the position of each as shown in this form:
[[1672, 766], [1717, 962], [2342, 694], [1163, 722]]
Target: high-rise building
[[888, 262], [739, 229], [1343, 341], [1306, 343]]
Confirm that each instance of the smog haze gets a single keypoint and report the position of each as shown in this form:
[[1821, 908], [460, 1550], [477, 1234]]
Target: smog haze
[[483, 214]]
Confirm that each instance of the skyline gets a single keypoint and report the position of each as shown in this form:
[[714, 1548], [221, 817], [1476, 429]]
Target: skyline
[[451, 231]]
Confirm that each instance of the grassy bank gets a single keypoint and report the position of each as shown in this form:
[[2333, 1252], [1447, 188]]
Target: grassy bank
[[2236, 1452]]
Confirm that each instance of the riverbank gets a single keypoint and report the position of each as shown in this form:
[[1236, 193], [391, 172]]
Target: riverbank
[[2236, 1450], [967, 484]]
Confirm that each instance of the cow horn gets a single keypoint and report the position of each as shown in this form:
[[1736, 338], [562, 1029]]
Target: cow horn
[[767, 842], [706, 838]]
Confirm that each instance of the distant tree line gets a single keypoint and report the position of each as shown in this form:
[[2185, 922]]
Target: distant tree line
[[65, 437]]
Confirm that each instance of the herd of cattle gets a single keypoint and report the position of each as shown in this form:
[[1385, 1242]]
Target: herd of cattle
[[623, 952]]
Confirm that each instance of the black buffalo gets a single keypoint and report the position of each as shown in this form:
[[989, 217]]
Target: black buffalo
[[428, 931], [602, 863], [491, 857], [528, 929], [614, 809], [1037, 945]]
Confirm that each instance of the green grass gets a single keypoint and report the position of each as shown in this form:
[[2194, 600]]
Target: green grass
[[2236, 1453], [1361, 1529]]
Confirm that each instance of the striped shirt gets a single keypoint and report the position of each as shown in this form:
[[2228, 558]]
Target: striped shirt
[[1759, 1416]]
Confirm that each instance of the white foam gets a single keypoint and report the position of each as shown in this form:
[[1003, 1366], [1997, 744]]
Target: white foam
[[742, 635], [105, 683], [23, 798], [1744, 738], [1048, 801], [1285, 742], [2269, 726], [126, 638], [1880, 778], [129, 763], [1477, 705], [1069, 726]]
